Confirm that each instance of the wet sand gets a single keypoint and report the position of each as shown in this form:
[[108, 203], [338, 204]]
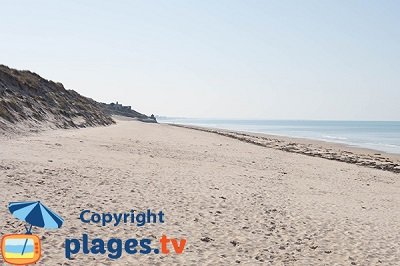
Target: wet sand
[[327, 150]]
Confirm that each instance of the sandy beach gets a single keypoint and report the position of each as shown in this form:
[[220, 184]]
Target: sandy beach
[[235, 202]]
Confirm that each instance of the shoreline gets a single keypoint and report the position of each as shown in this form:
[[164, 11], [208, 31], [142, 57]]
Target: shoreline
[[315, 148], [310, 147], [379, 136]]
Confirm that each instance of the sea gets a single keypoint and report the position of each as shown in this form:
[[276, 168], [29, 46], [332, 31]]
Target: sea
[[377, 135]]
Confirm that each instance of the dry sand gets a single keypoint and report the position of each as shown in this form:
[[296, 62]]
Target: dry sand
[[234, 201]]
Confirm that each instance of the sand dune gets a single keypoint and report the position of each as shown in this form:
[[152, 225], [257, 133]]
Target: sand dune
[[233, 201]]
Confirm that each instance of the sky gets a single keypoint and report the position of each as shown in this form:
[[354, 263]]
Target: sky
[[320, 60]]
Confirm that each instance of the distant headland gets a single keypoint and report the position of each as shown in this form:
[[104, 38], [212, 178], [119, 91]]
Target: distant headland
[[123, 110]]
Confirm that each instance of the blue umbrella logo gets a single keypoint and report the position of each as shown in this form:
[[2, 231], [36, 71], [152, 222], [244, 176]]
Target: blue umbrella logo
[[36, 214]]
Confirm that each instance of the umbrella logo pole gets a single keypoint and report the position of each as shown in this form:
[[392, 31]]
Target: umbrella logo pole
[[28, 231]]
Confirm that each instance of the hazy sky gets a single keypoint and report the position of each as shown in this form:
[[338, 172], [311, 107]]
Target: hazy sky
[[225, 59]]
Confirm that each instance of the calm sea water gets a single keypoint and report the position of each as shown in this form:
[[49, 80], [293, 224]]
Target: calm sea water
[[377, 135]]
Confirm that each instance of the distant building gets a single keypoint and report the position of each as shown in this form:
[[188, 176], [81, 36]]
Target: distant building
[[119, 107]]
